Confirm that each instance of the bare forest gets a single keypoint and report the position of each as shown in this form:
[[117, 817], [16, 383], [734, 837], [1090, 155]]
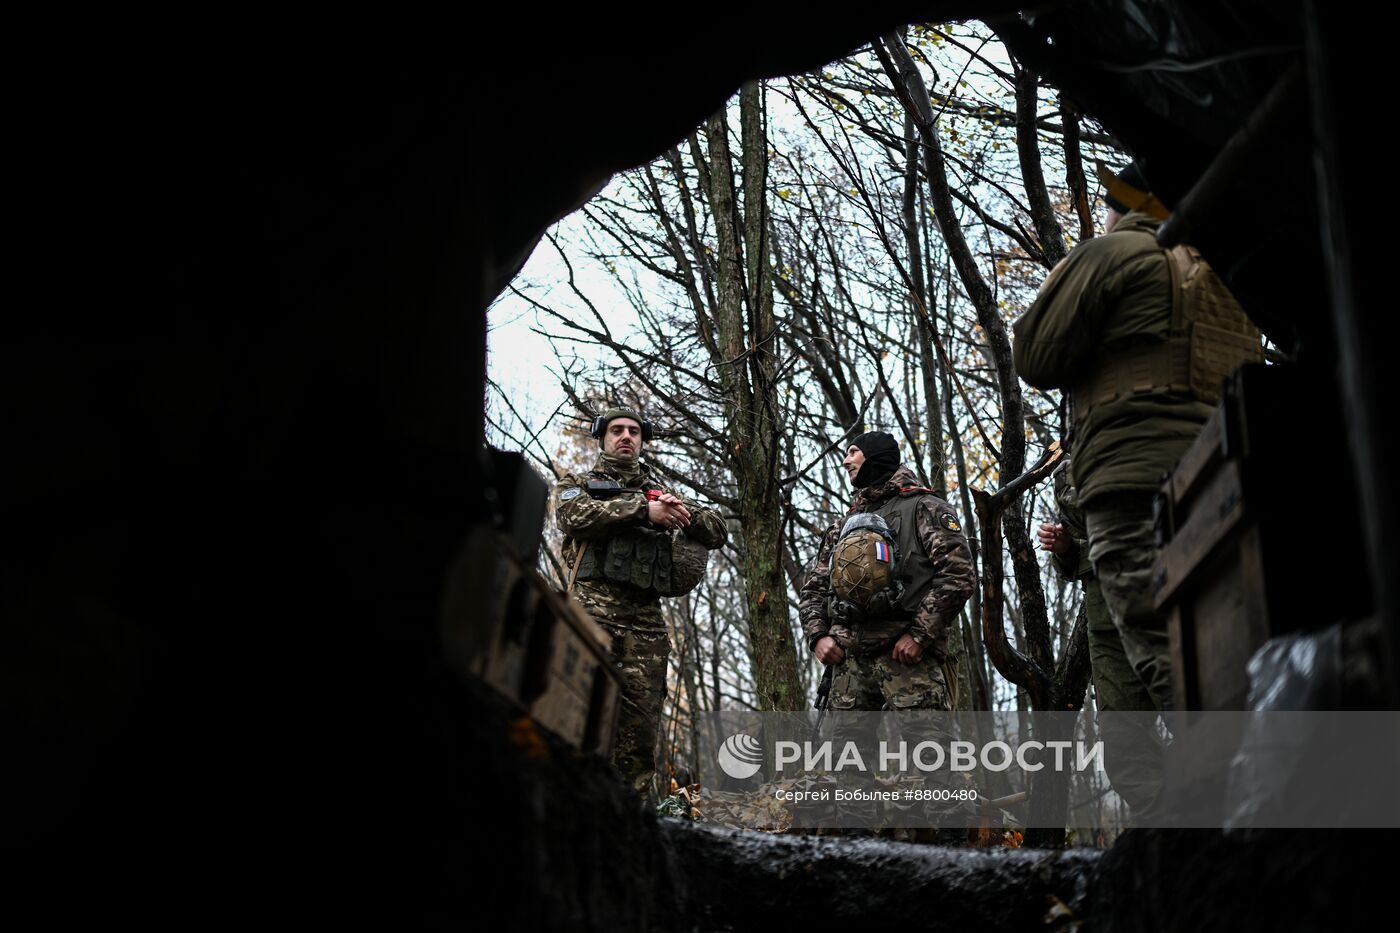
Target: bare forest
[[833, 252]]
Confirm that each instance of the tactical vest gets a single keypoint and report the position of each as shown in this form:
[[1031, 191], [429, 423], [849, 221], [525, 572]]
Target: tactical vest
[[638, 557], [1210, 336], [912, 566]]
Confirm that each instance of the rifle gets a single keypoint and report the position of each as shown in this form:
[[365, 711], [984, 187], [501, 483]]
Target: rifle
[[823, 701], [607, 488]]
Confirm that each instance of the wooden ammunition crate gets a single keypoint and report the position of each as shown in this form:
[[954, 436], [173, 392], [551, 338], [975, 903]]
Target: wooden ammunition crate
[[1258, 537], [581, 687], [506, 624], [1209, 577]]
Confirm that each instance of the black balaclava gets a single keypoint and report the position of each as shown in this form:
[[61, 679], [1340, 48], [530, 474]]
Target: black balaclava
[[881, 458]]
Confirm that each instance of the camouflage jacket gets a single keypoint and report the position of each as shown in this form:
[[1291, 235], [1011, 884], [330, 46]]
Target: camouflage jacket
[[583, 518], [953, 581]]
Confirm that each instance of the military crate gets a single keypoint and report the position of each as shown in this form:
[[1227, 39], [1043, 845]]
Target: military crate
[[1209, 578], [581, 688], [505, 624], [1257, 538]]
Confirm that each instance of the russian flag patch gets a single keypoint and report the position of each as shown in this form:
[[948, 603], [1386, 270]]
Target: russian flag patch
[[882, 551]]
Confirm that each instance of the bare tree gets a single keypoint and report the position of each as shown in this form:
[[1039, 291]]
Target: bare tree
[[838, 252]]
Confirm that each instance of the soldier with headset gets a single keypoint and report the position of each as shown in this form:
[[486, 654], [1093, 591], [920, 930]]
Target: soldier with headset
[[629, 541]]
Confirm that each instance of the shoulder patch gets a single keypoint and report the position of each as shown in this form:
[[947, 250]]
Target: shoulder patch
[[949, 521], [571, 493]]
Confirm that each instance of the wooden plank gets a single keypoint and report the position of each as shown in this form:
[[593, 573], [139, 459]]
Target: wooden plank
[[1217, 621], [508, 615], [1208, 579], [563, 708], [474, 602], [582, 692], [1197, 464], [1182, 639], [603, 710], [1219, 508], [1221, 653], [580, 621]]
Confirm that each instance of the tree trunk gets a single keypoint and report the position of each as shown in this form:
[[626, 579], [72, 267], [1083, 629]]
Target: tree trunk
[[913, 93], [1074, 170], [1047, 228], [747, 342], [928, 367]]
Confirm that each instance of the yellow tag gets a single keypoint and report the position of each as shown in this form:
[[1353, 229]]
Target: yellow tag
[[1125, 193]]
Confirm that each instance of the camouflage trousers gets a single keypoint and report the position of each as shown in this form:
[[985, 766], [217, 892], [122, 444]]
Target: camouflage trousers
[[1132, 753], [880, 682], [874, 683], [641, 648], [1122, 547]]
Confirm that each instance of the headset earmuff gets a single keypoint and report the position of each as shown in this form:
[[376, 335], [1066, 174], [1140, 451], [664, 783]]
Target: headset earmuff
[[600, 427]]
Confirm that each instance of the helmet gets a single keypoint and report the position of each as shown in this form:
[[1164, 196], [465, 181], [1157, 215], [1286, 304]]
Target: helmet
[[688, 561], [599, 425], [863, 561]]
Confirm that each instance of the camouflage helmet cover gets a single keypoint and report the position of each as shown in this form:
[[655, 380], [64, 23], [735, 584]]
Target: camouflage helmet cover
[[863, 561], [689, 559]]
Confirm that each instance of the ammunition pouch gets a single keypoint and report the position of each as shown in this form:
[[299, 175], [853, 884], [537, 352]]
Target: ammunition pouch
[[883, 605], [638, 557]]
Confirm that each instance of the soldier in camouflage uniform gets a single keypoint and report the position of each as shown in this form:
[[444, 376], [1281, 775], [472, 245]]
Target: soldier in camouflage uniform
[[617, 520], [1133, 753], [896, 660], [1141, 338], [893, 655]]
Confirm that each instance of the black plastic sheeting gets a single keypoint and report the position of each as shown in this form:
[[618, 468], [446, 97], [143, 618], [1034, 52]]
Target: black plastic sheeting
[[1173, 81]]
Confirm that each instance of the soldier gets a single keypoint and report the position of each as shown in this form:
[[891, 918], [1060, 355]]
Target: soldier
[[618, 522], [889, 653], [883, 594], [1141, 339], [1133, 753]]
